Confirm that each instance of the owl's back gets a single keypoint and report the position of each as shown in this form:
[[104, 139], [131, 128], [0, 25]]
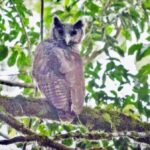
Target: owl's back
[[58, 72]]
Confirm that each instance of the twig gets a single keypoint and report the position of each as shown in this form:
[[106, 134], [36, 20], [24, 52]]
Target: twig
[[118, 29], [10, 83], [86, 60], [42, 140], [42, 13], [17, 139], [15, 123], [145, 138], [93, 56], [78, 135], [137, 136]]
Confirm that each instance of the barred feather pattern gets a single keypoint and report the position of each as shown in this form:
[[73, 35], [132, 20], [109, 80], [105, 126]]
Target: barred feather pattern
[[58, 71]]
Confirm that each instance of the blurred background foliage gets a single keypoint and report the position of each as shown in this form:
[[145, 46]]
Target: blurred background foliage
[[117, 35]]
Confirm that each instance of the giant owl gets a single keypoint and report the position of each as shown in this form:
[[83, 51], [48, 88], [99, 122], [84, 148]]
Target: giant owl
[[58, 69]]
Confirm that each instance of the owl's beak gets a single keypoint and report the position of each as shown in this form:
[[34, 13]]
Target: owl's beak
[[67, 39]]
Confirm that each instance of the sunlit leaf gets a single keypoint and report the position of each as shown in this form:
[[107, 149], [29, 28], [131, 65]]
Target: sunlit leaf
[[146, 4], [145, 70], [12, 58]]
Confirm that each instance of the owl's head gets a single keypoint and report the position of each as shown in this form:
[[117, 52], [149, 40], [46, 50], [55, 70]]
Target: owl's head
[[70, 34]]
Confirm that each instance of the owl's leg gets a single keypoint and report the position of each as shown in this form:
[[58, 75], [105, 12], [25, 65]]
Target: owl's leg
[[77, 116], [80, 123]]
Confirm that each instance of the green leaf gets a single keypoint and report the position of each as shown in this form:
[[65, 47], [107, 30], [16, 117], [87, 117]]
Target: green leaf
[[12, 59], [42, 129], [68, 127], [109, 29], [148, 38], [140, 107], [120, 88], [3, 52], [67, 142], [29, 91], [26, 78], [136, 31], [145, 70], [135, 47], [110, 66], [118, 5], [52, 127], [92, 6], [126, 34], [119, 50], [107, 117], [144, 54], [66, 2], [23, 39], [147, 111], [96, 36], [134, 14], [147, 4], [23, 60]]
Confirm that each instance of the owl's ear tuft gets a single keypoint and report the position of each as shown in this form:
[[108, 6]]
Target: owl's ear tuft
[[78, 24], [57, 22]]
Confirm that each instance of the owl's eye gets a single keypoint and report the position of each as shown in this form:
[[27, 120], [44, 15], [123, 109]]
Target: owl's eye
[[60, 31], [73, 32]]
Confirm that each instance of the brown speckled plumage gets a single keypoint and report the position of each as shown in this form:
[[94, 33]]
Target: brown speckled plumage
[[58, 71]]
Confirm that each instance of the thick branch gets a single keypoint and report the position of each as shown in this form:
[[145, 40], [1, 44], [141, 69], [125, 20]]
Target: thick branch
[[18, 84], [42, 140], [91, 118]]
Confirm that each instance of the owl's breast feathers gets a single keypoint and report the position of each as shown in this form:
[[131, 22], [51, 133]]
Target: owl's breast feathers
[[59, 75]]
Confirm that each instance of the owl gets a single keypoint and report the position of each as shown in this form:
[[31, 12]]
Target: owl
[[58, 69]]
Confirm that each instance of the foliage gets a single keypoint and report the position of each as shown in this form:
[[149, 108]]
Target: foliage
[[114, 29]]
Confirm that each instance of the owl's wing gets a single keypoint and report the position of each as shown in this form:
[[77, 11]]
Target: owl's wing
[[50, 80], [60, 79], [73, 71]]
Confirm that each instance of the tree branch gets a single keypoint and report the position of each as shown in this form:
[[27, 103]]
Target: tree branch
[[17, 139], [42, 140], [11, 83], [91, 118], [15, 123], [87, 60], [137, 136]]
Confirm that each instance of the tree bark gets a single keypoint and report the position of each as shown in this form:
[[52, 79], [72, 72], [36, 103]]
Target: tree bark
[[93, 119]]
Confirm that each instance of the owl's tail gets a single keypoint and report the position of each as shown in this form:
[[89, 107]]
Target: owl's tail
[[66, 116]]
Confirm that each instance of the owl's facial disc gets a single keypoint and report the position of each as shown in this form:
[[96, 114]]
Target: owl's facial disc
[[70, 34]]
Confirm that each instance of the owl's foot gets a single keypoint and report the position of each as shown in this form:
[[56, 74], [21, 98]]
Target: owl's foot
[[66, 116]]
